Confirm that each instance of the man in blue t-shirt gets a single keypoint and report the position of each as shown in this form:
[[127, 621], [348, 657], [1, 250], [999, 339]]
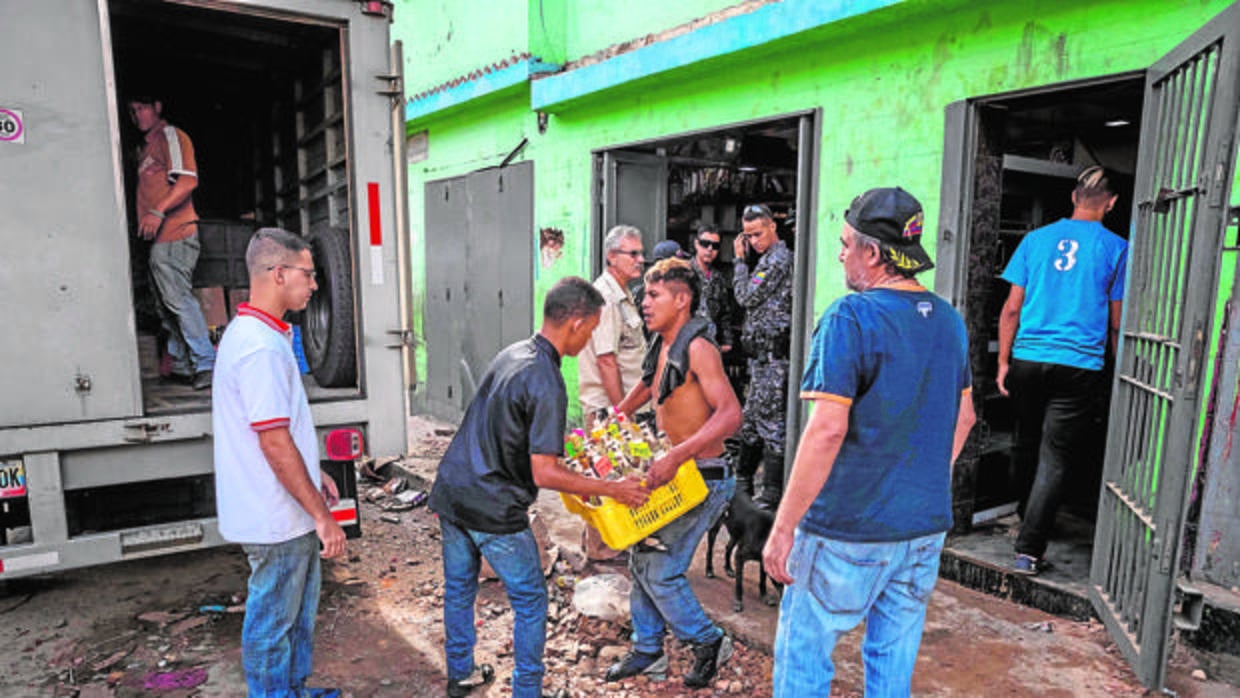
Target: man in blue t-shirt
[[508, 446], [1067, 291], [862, 522]]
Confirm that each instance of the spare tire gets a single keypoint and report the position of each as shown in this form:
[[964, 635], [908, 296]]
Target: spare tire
[[328, 334]]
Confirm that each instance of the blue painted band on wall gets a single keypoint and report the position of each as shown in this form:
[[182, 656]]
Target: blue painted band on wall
[[764, 25], [488, 83]]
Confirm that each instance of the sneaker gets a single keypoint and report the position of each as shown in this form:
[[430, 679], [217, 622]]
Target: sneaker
[[202, 380], [635, 662], [707, 660], [1030, 565], [483, 673], [178, 378]]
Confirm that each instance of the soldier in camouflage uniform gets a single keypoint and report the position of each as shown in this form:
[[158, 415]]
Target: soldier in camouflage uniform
[[717, 303], [765, 294]]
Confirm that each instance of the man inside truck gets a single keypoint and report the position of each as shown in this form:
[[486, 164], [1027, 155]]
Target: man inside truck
[[167, 176]]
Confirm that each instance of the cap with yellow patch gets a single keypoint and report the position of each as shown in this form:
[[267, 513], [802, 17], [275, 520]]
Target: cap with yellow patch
[[894, 218]]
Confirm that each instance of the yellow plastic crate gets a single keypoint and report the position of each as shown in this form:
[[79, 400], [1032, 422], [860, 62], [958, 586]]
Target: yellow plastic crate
[[620, 527]]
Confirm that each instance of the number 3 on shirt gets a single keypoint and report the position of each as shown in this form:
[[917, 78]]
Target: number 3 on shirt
[[1067, 260]]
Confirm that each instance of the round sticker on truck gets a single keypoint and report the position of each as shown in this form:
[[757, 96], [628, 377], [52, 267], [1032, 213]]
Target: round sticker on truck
[[11, 128]]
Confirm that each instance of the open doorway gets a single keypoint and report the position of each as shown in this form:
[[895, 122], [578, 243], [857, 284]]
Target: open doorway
[[262, 99], [671, 186], [666, 188], [1028, 151]]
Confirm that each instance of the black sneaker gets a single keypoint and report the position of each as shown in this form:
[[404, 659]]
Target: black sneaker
[[178, 379], [482, 674], [202, 380], [707, 660], [635, 662]]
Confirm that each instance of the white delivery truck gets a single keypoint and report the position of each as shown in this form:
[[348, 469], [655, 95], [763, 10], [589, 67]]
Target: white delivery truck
[[291, 106]]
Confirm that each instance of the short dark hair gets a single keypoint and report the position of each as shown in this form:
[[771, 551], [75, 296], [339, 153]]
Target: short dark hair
[[712, 229], [676, 271], [1094, 184], [271, 246], [754, 212], [143, 98], [571, 297]]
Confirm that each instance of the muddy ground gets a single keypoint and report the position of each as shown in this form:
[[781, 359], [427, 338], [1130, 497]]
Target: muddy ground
[[170, 626]]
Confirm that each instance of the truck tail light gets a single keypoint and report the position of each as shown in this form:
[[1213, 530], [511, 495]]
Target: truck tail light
[[376, 8], [344, 444]]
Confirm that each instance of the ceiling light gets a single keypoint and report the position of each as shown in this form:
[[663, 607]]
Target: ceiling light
[[747, 168], [1116, 123]]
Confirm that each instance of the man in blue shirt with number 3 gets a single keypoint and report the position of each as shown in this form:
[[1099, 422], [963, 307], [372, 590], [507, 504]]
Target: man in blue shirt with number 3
[[1066, 300]]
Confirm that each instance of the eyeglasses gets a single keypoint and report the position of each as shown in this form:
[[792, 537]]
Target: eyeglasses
[[635, 254], [310, 273], [758, 210], [708, 243]]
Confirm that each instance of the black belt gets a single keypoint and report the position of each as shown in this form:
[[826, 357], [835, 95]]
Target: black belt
[[714, 472]]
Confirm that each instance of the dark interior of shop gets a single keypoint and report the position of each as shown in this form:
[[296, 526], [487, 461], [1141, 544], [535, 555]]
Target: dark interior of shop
[[712, 176]]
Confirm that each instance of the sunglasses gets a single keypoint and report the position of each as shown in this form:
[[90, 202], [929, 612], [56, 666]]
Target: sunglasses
[[758, 210], [708, 244]]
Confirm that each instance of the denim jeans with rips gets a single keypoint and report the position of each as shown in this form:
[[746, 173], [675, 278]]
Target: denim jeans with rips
[[277, 638], [838, 584], [172, 271], [661, 597], [514, 557]]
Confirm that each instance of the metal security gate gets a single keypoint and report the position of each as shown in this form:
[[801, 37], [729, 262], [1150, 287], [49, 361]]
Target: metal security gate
[[1183, 175]]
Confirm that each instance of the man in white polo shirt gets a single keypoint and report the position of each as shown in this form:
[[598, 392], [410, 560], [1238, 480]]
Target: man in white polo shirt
[[270, 494]]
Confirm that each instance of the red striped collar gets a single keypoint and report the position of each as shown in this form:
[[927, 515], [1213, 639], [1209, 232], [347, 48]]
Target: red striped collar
[[267, 319]]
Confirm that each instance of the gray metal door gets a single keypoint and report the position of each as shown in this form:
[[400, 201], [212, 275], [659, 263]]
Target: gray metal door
[[500, 266], [1183, 175], [479, 278], [634, 193], [67, 350], [444, 320]]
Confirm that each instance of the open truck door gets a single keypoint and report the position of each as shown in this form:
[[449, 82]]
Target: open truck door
[[1180, 208]]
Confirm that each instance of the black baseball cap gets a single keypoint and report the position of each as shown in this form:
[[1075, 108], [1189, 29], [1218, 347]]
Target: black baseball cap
[[894, 218]]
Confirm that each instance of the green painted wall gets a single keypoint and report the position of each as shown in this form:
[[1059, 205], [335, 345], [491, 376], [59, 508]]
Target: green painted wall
[[445, 39], [881, 80], [593, 26]]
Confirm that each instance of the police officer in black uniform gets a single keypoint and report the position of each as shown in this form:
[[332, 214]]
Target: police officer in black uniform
[[762, 285]]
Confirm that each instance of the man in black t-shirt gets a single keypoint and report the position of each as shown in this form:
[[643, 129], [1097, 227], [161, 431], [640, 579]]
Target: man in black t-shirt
[[509, 445]]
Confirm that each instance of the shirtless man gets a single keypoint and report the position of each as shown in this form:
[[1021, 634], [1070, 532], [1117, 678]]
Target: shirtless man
[[698, 410]]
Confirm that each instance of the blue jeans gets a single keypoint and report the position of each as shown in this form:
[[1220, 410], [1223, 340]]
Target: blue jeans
[[661, 595], [172, 270], [277, 638], [838, 584], [514, 557]]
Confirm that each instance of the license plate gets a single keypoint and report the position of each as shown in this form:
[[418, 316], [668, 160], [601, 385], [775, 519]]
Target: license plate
[[12, 479]]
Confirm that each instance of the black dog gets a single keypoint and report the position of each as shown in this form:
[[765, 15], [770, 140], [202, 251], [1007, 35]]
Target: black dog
[[748, 529]]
